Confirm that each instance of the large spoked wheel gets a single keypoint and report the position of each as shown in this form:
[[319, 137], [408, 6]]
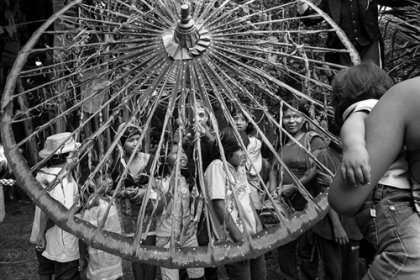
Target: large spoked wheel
[[151, 62]]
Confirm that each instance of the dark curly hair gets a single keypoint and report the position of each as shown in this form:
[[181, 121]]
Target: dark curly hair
[[360, 82]]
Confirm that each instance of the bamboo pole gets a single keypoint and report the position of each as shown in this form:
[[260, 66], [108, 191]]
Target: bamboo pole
[[28, 127]]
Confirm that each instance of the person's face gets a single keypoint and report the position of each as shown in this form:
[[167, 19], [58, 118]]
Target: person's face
[[131, 143], [240, 122], [238, 158], [173, 155], [201, 116], [293, 121]]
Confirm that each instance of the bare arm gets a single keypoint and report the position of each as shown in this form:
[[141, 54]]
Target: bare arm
[[340, 235], [84, 255], [355, 166], [219, 208], [272, 180], [393, 120], [44, 224], [317, 144]]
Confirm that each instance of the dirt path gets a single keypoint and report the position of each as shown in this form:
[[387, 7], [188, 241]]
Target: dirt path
[[17, 255]]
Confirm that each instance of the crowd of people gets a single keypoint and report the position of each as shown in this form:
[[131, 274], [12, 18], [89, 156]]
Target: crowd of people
[[375, 180]]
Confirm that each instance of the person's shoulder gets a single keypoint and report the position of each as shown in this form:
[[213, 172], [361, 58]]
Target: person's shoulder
[[145, 156], [311, 135], [254, 140], [409, 88], [253, 137], [214, 166], [48, 171], [403, 97], [314, 139], [365, 106], [215, 163]]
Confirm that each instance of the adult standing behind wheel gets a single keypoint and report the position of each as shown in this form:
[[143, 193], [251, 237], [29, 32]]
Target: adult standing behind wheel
[[300, 164], [392, 124], [359, 21]]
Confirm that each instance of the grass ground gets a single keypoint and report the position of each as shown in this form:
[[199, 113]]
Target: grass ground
[[17, 255]]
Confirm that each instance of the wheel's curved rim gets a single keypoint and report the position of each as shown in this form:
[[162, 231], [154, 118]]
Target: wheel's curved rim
[[121, 245]]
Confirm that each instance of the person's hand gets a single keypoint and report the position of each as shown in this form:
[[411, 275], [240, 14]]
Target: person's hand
[[355, 167], [156, 185], [83, 263], [134, 194], [287, 190], [237, 237], [340, 235], [41, 242], [275, 195], [137, 198], [323, 179], [201, 129], [259, 225], [129, 192], [301, 7]]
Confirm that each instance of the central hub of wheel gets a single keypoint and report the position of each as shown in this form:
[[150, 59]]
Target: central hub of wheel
[[186, 40]]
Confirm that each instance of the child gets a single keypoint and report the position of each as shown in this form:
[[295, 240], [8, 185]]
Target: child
[[255, 163], [178, 213], [133, 190], [100, 264], [385, 212], [200, 127], [58, 249], [221, 184], [336, 238]]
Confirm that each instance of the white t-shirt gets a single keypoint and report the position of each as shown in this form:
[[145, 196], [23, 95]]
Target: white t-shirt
[[397, 174], [103, 265], [221, 185]]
